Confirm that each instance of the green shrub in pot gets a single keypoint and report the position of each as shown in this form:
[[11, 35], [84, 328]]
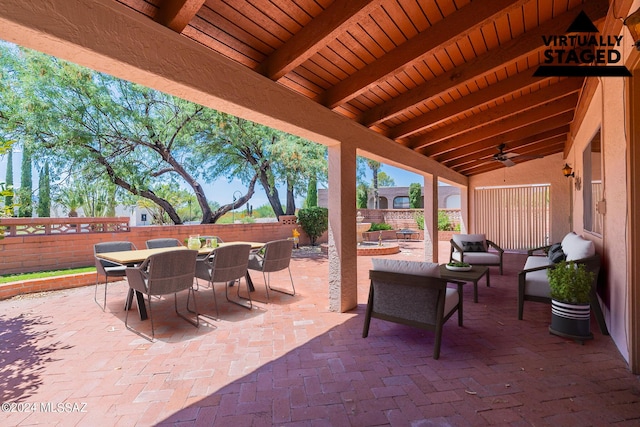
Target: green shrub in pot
[[570, 282]]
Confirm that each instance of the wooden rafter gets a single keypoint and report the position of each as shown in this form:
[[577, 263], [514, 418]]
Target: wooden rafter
[[176, 14]]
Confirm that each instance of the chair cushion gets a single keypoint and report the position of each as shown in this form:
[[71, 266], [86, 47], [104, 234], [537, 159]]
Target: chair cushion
[[416, 268], [460, 238], [536, 282], [473, 246], [483, 258], [450, 300]]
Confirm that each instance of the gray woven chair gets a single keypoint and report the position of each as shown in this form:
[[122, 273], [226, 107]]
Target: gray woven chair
[[225, 264], [274, 256], [163, 274], [107, 268], [162, 243], [420, 301]]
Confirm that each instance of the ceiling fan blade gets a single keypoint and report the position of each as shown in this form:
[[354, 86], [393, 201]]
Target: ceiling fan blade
[[507, 162]]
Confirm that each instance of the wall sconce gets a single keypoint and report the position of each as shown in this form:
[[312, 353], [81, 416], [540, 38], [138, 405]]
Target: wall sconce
[[567, 171], [633, 24]]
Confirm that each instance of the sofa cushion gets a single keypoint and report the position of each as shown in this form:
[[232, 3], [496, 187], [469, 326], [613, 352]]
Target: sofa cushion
[[451, 300], [459, 238], [416, 268], [483, 258], [575, 247], [536, 282], [473, 246]]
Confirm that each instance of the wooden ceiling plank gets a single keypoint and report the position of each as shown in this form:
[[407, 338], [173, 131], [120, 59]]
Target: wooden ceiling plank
[[452, 147], [533, 128], [494, 165], [526, 147], [422, 46], [315, 35], [507, 109], [507, 53], [481, 97], [176, 14]]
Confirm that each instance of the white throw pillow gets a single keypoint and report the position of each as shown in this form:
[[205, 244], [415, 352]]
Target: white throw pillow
[[416, 268]]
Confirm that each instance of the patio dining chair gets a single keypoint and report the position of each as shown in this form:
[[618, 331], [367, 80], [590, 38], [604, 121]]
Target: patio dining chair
[[274, 256], [225, 264], [164, 274], [162, 243], [107, 268]]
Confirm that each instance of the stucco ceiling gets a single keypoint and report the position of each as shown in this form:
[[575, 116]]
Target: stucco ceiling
[[452, 80]]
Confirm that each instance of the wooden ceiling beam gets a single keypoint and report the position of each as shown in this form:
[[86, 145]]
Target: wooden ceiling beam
[[508, 137], [500, 112], [447, 31], [315, 35], [494, 165], [484, 96], [533, 145], [529, 42], [495, 129], [176, 14]]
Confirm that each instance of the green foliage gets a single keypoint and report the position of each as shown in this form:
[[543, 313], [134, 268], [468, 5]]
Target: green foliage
[[415, 193], [25, 193], [312, 193], [385, 180], [362, 196], [570, 282], [44, 192], [443, 222], [419, 217], [380, 226], [8, 200], [314, 222]]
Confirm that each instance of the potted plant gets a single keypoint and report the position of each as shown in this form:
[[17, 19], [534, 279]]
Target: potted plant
[[571, 286]]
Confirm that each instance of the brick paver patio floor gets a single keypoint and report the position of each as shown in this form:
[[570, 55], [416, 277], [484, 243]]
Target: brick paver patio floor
[[291, 362]]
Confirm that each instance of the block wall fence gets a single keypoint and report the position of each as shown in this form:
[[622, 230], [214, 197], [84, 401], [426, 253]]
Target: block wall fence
[[38, 252]]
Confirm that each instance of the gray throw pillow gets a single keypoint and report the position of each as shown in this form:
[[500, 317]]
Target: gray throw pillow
[[472, 246], [555, 253]]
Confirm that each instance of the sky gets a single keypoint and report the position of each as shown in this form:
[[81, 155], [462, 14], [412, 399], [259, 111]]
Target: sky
[[223, 191]]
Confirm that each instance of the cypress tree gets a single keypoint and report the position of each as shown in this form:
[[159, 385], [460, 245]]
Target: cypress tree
[[26, 186], [312, 193], [8, 201], [44, 192]]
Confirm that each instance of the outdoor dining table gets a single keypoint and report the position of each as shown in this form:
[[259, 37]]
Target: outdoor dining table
[[133, 257]]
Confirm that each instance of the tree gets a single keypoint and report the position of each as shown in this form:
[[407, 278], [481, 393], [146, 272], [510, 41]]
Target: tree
[[92, 125], [25, 193], [362, 196], [6, 192], [312, 193], [415, 193], [385, 180], [44, 192], [375, 167], [8, 200]]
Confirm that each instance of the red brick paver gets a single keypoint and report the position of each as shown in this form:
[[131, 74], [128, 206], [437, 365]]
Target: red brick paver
[[292, 362]]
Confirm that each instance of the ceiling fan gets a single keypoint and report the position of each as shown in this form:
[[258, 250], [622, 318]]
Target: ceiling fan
[[505, 158]]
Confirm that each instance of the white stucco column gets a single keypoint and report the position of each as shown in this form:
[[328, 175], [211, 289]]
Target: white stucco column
[[431, 218], [343, 289]]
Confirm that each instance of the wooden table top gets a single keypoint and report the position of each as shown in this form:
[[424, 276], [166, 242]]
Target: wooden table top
[[476, 272], [139, 255]]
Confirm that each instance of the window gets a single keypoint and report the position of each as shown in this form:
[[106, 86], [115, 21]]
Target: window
[[592, 184], [401, 202]]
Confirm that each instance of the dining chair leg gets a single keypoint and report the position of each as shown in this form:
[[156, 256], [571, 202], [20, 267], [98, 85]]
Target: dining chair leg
[[248, 298], [95, 294], [282, 291], [195, 306]]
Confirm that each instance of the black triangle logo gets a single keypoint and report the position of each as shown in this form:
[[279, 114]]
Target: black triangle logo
[[582, 24]]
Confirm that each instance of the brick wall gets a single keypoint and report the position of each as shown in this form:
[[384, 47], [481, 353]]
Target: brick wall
[[38, 252]]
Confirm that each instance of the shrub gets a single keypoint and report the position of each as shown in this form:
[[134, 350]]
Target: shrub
[[415, 195], [314, 221], [379, 226], [419, 217], [570, 282], [443, 222]]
